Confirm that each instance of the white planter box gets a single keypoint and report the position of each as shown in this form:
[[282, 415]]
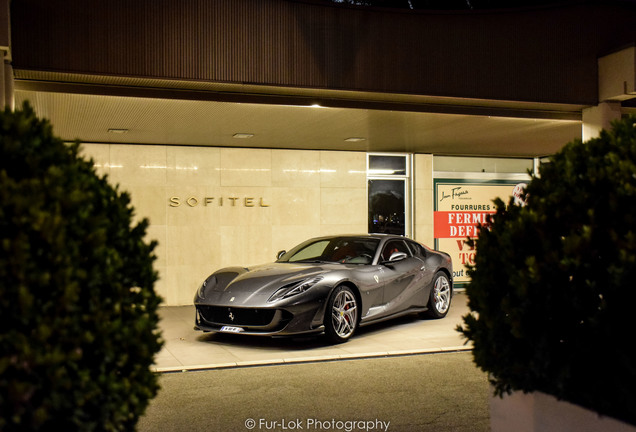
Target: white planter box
[[539, 412]]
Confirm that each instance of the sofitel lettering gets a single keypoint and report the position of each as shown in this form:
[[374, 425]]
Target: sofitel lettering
[[218, 201]]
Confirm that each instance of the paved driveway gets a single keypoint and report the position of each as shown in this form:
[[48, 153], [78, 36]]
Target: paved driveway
[[415, 393], [187, 349]]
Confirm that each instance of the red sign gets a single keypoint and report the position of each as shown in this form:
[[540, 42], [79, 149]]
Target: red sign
[[450, 224]]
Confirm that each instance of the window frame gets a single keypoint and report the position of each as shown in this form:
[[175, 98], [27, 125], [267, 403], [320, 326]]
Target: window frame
[[407, 179]]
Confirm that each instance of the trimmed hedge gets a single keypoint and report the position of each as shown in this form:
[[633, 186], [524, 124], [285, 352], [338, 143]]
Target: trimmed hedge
[[78, 310], [553, 288]]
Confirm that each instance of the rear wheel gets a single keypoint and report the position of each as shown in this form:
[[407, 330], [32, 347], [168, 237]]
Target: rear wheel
[[440, 298], [341, 316]]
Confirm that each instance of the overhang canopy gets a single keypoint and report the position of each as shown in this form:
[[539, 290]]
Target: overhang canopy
[[311, 75]]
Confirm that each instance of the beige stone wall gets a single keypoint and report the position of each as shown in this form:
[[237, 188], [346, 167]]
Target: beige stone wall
[[272, 200], [423, 199]]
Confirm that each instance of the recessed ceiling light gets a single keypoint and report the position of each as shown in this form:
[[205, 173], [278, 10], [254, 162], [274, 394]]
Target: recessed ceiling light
[[117, 131], [355, 139], [242, 135]]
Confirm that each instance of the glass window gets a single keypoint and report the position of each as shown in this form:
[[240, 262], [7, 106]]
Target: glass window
[[387, 201], [387, 165], [478, 164], [313, 251], [389, 193], [392, 247], [352, 250], [347, 250]]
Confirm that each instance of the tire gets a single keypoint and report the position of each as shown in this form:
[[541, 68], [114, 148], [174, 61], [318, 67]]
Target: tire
[[341, 315], [439, 300]]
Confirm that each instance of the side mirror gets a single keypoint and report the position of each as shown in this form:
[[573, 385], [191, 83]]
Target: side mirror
[[280, 254], [397, 256]]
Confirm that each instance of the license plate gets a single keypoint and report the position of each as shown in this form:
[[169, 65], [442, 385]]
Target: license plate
[[228, 329]]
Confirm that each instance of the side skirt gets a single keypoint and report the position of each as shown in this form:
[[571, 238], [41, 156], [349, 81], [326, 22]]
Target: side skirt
[[374, 320]]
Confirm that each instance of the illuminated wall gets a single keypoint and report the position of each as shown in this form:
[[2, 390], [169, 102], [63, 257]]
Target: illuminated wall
[[214, 207]]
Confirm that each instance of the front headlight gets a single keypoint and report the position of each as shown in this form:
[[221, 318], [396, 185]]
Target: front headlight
[[207, 284], [294, 288]]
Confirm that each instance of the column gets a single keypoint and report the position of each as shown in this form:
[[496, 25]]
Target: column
[[6, 70], [616, 83], [599, 117]]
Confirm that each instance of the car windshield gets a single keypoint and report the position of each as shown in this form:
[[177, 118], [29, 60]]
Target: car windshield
[[345, 250]]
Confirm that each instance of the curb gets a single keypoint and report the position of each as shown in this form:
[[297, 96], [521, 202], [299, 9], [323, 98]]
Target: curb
[[310, 359]]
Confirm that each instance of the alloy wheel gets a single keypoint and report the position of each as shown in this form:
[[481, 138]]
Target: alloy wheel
[[344, 314], [441, 294]]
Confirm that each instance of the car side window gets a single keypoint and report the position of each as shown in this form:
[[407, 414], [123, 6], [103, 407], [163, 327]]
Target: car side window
[[418, 250], [393, 246]]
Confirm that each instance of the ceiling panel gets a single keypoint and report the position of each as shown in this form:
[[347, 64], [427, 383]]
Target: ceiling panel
[[88, 117]]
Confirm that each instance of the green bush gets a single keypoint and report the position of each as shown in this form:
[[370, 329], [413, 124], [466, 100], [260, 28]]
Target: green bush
[[553, 287], [78, 311]]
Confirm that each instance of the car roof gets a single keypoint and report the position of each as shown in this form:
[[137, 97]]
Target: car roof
[[378, 236]]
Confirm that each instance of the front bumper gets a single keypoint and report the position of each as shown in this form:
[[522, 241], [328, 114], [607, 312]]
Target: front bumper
[[300, 319]]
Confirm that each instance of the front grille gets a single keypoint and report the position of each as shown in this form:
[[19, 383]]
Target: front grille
[[237, 316]]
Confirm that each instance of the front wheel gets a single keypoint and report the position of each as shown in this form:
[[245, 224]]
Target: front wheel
[[440, 298], [341, 316]]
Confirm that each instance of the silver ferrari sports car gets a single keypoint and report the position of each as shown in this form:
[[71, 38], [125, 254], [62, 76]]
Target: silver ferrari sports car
[[327, 285]]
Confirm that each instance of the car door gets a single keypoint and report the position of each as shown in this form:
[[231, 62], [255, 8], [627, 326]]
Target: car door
[[401, 278], [427, 270]]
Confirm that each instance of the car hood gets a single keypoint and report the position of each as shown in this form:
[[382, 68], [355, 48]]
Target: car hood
[[255, 285]]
